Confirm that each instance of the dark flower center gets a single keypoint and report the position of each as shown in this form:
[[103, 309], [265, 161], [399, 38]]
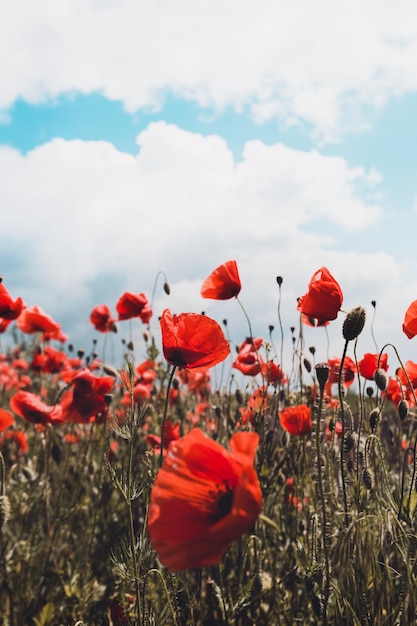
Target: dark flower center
[[223, 501]]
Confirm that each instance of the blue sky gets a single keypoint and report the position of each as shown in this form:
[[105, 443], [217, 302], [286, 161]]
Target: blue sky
[[175, 137]]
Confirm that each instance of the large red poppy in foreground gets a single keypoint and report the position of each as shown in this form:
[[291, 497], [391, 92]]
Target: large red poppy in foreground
[[190, 340], [223, 283], [204, 497], [323, 298]]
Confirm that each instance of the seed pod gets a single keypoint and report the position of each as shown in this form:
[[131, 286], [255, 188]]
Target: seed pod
[[367, 478], [354, 323], [381, 379], [322, 373], [402, 409]]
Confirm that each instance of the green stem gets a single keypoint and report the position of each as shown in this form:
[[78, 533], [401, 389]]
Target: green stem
[[164, 419], [342, 413], [323, 509]]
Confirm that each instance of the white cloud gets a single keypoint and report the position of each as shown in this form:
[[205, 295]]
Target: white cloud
[[86, 221], [313, 63]]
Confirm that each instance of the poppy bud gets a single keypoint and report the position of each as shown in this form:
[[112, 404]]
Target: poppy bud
[[312, 350], [367, 478], [373, 418], [402, 409], [322, 373], [130, 346], [354, 323], [167, 288], [380, 379], [307, 365], [239, 396], [369, 392], [373, 302], [4, 510], [279, 280]]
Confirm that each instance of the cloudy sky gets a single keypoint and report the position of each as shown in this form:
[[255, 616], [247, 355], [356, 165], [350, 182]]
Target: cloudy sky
[[149, 136]]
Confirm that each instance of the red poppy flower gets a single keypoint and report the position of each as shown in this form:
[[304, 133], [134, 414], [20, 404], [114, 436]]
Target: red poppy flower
[[190, 340], [248, 360], [133, 305], [369, 364], [6, 419], [223, 283], [411, 368], [410, 320], [34, 320], [9, 309], [171, 433], [257, 402], [204, 497], [296, 420], [102, 320], [4, 324], [17, 437], [30, 406], [273, 373], [87, 399], [348, 372], [323, 298]]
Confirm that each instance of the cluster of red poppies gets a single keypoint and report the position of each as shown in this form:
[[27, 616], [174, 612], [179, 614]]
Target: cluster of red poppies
[[205, 495]]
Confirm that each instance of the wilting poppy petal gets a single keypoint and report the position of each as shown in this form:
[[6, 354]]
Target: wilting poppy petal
[[223, 283], [296, 420], [190, 340], [410, 320], [323, 298], [204, 497]]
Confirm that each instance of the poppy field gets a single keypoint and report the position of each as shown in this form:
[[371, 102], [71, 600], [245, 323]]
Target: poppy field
[[142, 494]]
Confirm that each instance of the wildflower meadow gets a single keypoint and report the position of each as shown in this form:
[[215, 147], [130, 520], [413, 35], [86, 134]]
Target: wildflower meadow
[[140, 493]]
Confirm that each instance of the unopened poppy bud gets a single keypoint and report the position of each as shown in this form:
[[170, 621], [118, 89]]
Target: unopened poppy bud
[[307, 365], [373, 302], [167, 288], [279, 280], [373, 418], [4, 510], [369, 392], [239, 396], [145, 337], [322, 373], [354, 323], [367, 478], [381, 379], [130, 346], [312, 350], [271, 328], [402, 409]]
